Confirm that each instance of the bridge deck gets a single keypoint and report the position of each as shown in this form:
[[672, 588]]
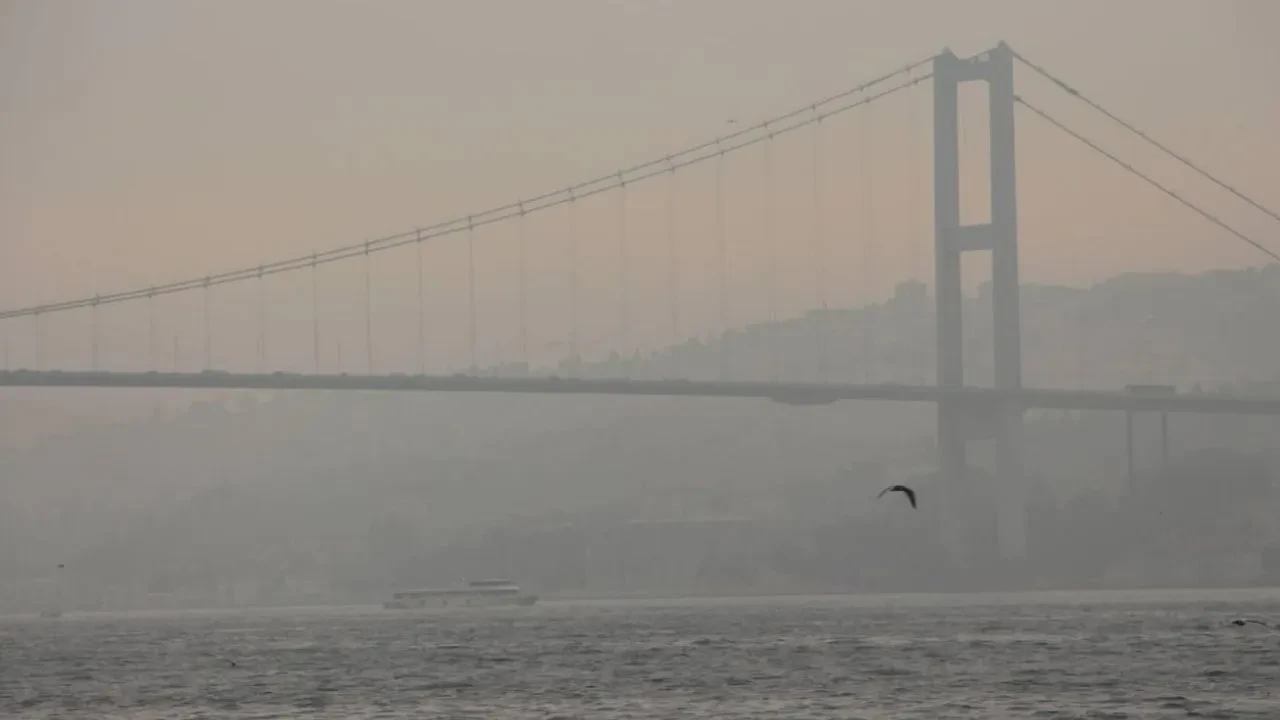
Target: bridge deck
[[790, 393]]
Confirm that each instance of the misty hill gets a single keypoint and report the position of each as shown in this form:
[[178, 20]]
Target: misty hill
[[1209, 330], [327, 495]]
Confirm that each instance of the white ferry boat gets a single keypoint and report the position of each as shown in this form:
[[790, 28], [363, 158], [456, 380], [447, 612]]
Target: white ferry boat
[[477, 593]]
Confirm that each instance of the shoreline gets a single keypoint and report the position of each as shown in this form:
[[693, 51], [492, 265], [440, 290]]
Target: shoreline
[[993, 598]]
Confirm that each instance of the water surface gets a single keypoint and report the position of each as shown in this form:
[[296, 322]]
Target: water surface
[[1067, 655]]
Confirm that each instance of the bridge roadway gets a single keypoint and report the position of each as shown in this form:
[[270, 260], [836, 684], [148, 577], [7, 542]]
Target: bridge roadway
[[789, 393]]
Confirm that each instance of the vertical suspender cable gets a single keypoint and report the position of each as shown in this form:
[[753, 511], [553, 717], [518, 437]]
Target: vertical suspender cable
[[573, 279], [673, 282], [915, 241], [471, 294], [422, 310], [819, 261], [262, 322], [153, 362], [723, 257], [208, 333], [524, 290], [315, 315], [868, 246], [767, 206], [93, 332], [368, 312], [913, 182], [624, 309]]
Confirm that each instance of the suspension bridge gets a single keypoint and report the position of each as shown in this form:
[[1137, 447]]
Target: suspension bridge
[[674, 277]]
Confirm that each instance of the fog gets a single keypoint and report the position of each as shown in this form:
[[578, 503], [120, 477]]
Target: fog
[[158, 141], [332, 497]]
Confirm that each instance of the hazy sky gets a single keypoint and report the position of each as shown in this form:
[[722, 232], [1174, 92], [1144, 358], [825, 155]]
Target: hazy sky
[[144, 141]]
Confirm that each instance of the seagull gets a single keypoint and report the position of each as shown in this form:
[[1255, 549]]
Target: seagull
[[911, 494], [1245, 621]]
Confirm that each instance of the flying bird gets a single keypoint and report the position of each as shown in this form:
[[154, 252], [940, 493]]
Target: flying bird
[[1245, 621], [911, 494]]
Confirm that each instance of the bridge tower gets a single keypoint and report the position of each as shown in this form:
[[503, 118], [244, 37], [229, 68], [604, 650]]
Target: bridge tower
[[999, 236]]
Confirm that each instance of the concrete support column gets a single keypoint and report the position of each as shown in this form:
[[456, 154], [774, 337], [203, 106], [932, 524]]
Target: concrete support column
[[999, 236], [948, 298]]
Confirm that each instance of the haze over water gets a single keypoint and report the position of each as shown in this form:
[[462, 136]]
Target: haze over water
[[144, 141]]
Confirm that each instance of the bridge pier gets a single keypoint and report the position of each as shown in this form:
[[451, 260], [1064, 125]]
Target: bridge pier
[[999, 236]]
